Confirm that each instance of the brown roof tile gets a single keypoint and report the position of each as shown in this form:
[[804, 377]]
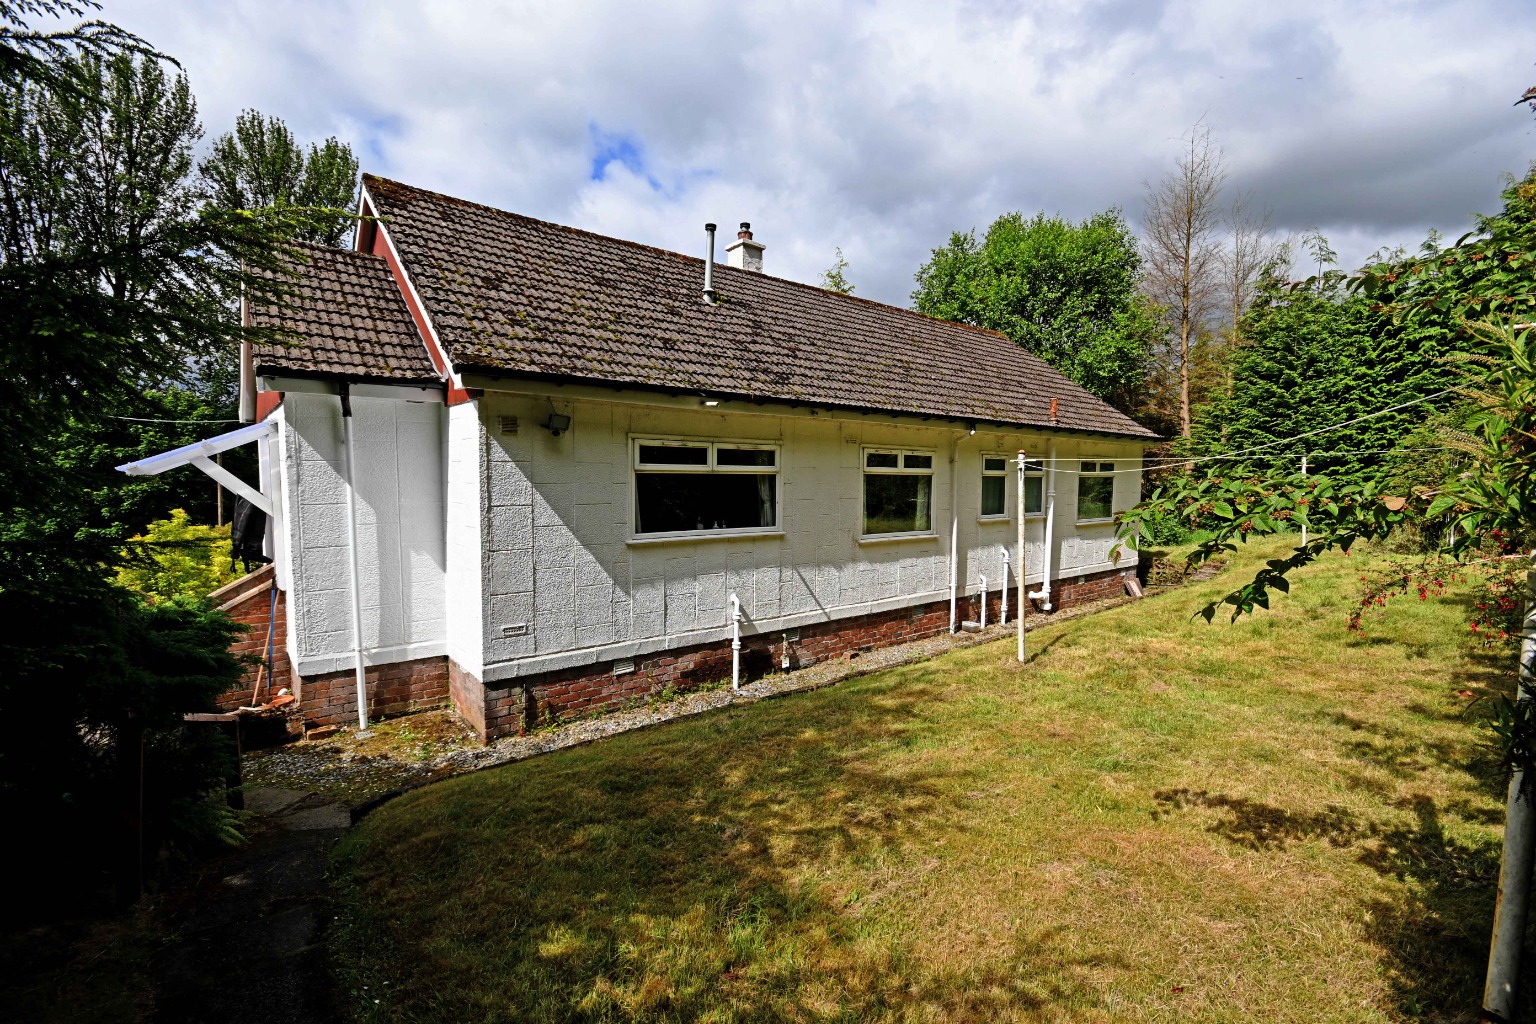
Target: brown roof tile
[[508, 294], [346, 317]]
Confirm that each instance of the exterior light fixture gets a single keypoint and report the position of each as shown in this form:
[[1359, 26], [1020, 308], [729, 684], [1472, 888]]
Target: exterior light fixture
[[557, 424], [710, 403]]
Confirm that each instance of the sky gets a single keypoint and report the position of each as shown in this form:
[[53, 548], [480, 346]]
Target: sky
[[881, 127]]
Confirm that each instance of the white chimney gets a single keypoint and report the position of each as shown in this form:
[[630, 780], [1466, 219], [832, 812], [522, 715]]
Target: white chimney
[[745, 253]]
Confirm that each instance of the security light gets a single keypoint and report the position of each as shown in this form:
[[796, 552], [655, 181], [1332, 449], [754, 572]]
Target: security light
[[557, 424]]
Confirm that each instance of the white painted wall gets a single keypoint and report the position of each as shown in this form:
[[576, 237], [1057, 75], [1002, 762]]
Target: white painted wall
[[558, 559], [400, 528], [466, 523]]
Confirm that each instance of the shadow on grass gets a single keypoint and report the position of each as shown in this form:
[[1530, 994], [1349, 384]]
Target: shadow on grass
[[667, 876], [1435, 935]]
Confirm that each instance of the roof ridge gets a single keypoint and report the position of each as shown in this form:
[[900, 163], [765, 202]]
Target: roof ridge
[[692, 259]]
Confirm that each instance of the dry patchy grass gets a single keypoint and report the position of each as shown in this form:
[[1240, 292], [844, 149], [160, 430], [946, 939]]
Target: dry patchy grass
[[1154, 820]]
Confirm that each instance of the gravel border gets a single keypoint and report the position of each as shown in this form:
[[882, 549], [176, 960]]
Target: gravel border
[[510, 749]]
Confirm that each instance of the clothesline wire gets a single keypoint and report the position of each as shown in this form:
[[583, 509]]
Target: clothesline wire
[[1270, 444]]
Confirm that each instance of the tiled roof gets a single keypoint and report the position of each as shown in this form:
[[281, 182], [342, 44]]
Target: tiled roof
[[345, 317], [512, 295]]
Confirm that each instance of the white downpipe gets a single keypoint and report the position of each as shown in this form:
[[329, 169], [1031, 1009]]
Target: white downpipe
[[350, 464], [1023, 565], [735, 642], [1004, 620], [954, 535], [1044, 593], [983, 602]]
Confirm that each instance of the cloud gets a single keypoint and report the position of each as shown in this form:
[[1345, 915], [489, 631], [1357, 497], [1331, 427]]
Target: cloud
[[882, 126]]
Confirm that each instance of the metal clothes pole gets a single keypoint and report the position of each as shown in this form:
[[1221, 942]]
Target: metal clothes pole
[[1503, 981], [1023, 584]]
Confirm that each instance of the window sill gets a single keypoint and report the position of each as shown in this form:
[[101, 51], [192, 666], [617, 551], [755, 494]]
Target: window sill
[[687, 538], [1097, 522], [893, 538], [985, 520]]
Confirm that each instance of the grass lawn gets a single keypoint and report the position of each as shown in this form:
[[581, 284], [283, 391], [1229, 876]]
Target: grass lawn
[[1155, 820]]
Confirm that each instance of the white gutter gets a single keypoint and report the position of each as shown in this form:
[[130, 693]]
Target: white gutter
[[349, 469], [1044, 593], [954, 534]]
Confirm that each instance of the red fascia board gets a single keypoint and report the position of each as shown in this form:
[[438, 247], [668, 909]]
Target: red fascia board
[[375, 235]]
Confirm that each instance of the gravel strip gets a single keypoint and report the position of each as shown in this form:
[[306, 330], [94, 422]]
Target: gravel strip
[[812, 677], [344, 769]]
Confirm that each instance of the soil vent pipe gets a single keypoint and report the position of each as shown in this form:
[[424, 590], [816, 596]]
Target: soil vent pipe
[[709, 264]]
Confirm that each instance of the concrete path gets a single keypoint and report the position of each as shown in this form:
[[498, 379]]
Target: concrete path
[[248, 943]]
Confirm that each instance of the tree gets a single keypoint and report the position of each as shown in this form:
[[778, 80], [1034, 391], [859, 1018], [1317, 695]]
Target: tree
[[835, 277], [1311, 360], [114, 280], [1250, 256], [1064, 291], [1183, 254], [27, 54], [260, 165], [1482, 288]]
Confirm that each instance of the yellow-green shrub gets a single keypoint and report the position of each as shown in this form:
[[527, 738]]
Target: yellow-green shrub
[[177, 557]]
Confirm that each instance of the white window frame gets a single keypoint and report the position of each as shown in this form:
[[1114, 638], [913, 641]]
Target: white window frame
[[900, 469], [1099, 473], [1010, 466], [712, 445], [1035, 469]]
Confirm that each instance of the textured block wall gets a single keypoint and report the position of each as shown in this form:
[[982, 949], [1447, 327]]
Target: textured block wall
[[400, 530], [567, 586]]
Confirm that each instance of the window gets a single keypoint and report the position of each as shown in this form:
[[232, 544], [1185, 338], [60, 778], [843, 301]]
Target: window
[[1095, 491], [684, 487], [898, 491], [995, 471], [994, 486], [1034, 487]]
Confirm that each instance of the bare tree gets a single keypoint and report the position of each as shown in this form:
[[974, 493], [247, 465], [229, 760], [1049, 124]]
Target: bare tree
[[1249, 252], [1183, 250]]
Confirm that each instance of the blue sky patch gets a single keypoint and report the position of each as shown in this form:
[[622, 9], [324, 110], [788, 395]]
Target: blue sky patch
[[624, 150]]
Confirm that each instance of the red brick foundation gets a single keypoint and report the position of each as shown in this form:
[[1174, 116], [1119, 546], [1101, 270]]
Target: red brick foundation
[[331, 697], [249, 600], [522, 704]]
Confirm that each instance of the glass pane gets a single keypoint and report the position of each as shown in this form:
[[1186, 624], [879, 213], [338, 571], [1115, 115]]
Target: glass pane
[[1106, 467], [917, 461], [667, 502], [1087, 467], [994, 495], [745, 457], [1034, 495], [880, 460], [1034, 466], [898, 504], [674, 455], [994, 465], [1095, 497]]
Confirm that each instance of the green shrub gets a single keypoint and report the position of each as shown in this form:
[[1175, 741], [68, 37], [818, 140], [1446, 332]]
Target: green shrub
[[178, 558]]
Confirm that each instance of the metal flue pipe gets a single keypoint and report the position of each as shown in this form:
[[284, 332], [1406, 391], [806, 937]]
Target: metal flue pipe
[[709, 264]]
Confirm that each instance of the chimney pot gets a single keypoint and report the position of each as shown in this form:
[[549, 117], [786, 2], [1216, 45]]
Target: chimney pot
[[744, 253]]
